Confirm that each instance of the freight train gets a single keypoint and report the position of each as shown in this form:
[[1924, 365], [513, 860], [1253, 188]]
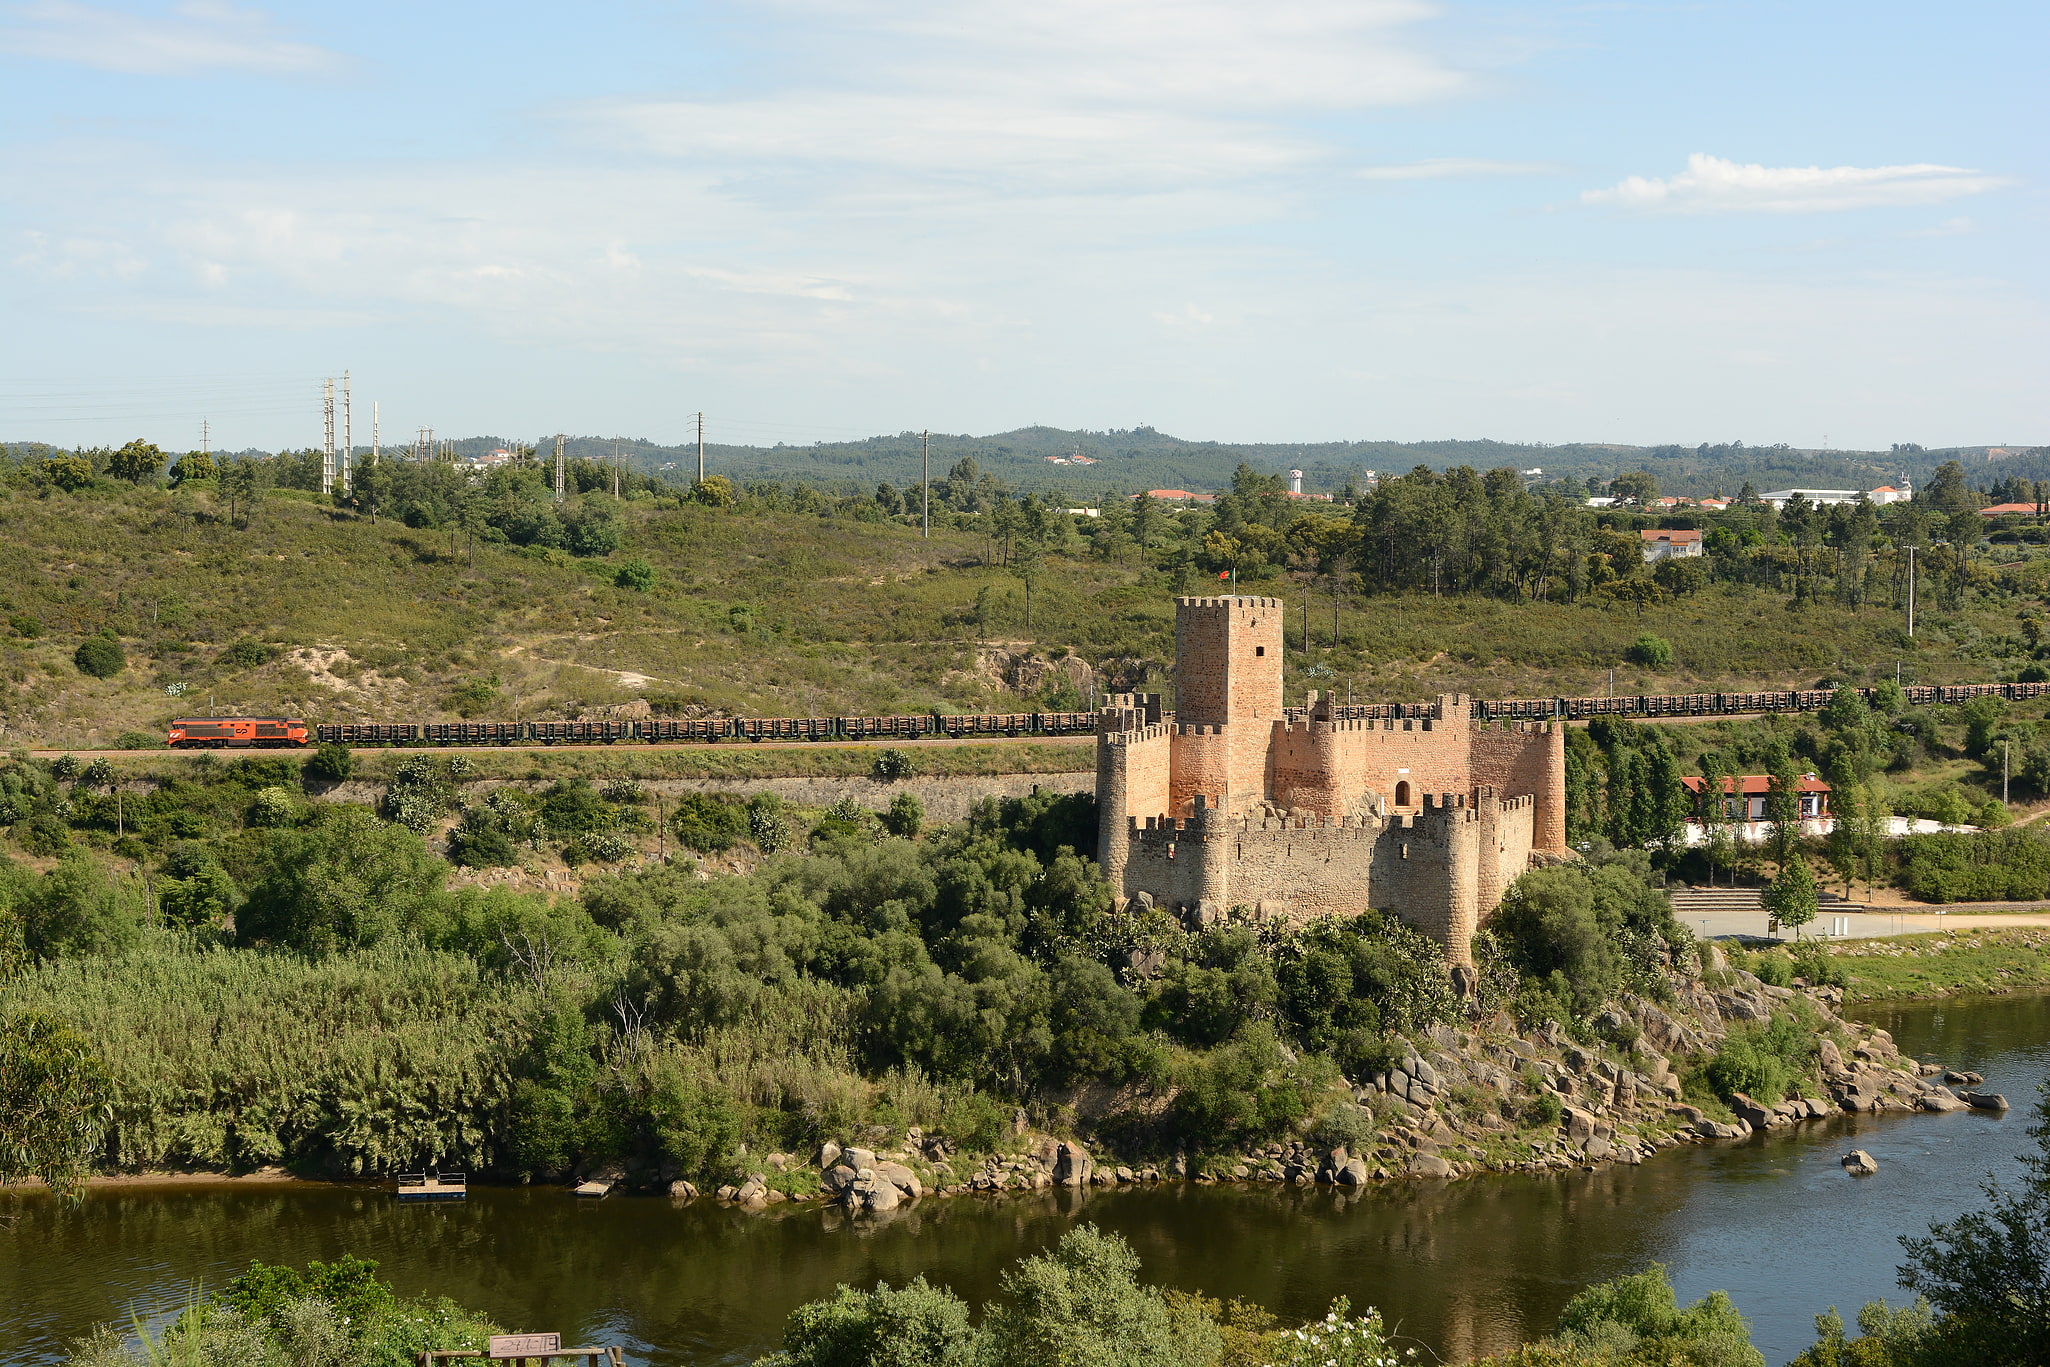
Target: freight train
[[220, 732]]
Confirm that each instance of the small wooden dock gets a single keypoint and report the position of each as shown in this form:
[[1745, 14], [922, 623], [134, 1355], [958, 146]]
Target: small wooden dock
[[433, 1186], [596, 1188]]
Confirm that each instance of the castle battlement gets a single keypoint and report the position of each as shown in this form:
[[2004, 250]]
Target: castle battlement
[[1138, 735]]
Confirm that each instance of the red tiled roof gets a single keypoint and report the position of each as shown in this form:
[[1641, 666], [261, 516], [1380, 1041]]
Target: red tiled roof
[[1750, 784], [2001, 509], [1678, 536]]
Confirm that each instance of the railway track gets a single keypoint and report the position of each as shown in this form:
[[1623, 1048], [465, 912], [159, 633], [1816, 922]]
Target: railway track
[[992, 727]]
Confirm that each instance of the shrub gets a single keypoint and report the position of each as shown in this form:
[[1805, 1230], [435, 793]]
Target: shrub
[[100, 656], [1639, 1319], [708, 824], [1241, 1093], [139, 740], [905, 816], [766, 824], [25, 626], [248, 654], [330, 763], [635, 575], [274, 807], [472, 698], [1654, 651], [624, 791], [1818, 966], [1766, 1061], [1775, 968], [894, 764], [2012, 865], [599, 847]]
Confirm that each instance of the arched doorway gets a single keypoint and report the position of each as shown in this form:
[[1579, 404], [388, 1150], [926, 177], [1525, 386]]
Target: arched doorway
[[1402, 793]]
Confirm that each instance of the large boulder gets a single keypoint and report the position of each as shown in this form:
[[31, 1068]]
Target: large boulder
[[1716, 1129], [1750, 1112], [680, 1190], [873, 1193], [1073, 1166], [1579, 1126], [838, 1178], [1983, 1101], [858, 1159], [1859, 1163], [828, 1156], [1334, 1162], [1829, 1057], [901, 1177], [1427, 1165], [1939, 1099], [1353, 1174]]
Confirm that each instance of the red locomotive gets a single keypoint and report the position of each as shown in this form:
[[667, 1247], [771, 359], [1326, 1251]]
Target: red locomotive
[[219, 733]]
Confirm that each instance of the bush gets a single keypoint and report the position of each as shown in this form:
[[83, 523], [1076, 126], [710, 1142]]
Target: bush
[[345, 880], [330, 763], [2012, 865], [1639, 1316], [1654, 651], [139, 740], [248, 654], [1775, 968], [905, 816], [708, 824], [24, 626], [1766, 1061], [766, 824], [1816, 965], [1241, 1093], [100, 656], [599, 847], [635, 575], [894, 764]]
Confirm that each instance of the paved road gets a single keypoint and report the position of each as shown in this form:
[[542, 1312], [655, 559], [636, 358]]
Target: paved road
[[1723, 925]]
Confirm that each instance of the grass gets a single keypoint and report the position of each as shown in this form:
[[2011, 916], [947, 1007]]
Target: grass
[[1904, 967], [767, 613]]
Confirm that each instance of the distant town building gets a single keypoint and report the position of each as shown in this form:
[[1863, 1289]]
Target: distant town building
[[1670, 544], [2005, 509], [1179, 496], [1888, 493]]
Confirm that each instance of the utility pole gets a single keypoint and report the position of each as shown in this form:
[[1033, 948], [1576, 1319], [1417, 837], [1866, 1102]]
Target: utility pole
[[205, 438], [701, 446], [615, 472], [373, 433], [925, 482], [347, 467], [1306, 617], [558, 467], [327, 449], [2003, 773]]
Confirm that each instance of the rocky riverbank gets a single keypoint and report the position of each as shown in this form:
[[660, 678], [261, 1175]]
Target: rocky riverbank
[[1486, 1098]]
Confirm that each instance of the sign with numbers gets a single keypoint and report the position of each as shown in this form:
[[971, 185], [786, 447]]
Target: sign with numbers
[[523, 1345]]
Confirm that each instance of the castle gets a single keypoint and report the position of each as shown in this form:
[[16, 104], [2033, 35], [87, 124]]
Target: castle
[[1233, 800]]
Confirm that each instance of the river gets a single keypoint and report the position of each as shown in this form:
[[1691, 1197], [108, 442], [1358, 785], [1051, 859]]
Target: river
[[1462, 1267]]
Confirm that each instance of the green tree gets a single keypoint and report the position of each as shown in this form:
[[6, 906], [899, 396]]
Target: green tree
[[713, 491], [193, 465], [1653, 651], [56, 1102], [1790, 896], [330, 763], [635, 575], [1635, 486], [100, 656], [1083, 1303], [1987, 1273], [1640, 1316], [1718, 844], [137, 461], [77, 909], [918, 1326], [68, 472], [347, 879]]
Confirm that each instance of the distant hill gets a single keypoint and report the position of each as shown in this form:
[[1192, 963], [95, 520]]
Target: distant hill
[[1130, 459], [1143, 458]]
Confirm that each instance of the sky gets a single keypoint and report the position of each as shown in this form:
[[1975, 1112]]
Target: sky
[[1262, 220]]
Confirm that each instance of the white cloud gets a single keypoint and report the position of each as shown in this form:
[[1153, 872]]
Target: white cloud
[[1715, 185], [1447, 168], [1950, 227], [198, 37]]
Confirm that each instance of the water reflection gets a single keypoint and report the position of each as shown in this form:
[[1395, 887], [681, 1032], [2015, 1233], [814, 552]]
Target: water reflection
[[1465, 1267]]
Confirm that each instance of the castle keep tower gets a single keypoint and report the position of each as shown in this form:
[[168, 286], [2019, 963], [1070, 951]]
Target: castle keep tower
[[1234, 800]]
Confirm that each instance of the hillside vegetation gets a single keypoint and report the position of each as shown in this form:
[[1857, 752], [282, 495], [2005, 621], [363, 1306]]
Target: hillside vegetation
[[432, 596]]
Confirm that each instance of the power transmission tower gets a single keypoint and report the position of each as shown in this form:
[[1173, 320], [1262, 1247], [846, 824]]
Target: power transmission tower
[[205, 438], [558, 467], [701, 446], [348, 465], [327, 450], [925, 481]]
